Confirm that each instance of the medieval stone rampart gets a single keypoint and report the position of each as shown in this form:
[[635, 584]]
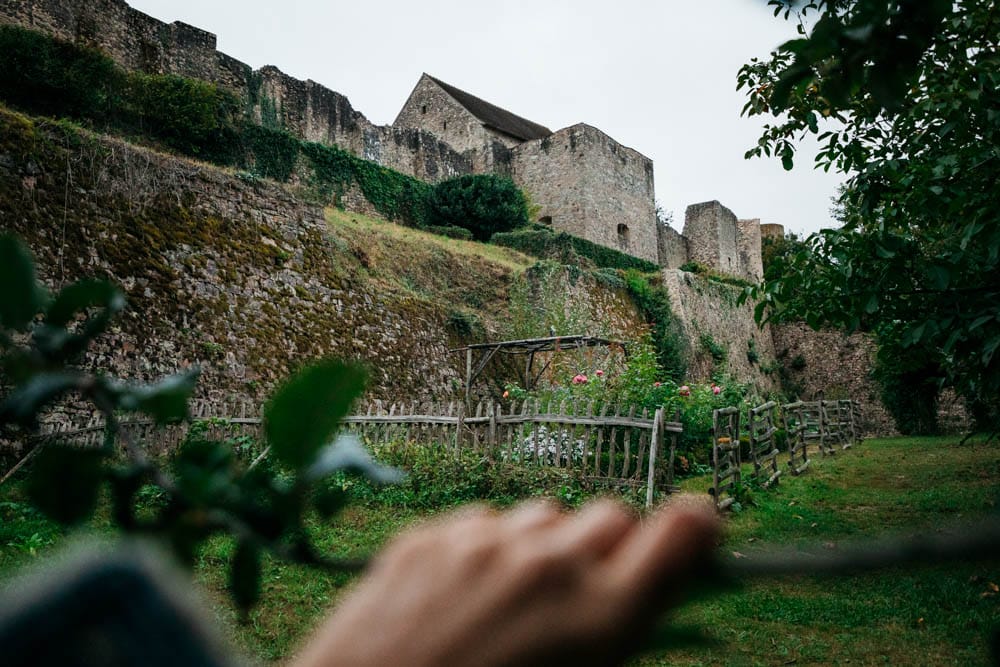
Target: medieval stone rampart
[[710, 229], [672, 247], [586, 183], [589, 185], [137, 41], [748, 239]]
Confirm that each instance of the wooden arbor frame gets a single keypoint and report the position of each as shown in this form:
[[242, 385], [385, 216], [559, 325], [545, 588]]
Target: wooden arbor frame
[[480, 354]]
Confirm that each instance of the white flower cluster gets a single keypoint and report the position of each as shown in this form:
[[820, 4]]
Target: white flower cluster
[[557, 445]]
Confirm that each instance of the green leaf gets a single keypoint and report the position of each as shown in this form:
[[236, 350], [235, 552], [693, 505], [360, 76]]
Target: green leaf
[[940, 277], [166, 401], [872, 305], [82, 295], [303, 415], [24, 403], [812, 122], [21, 297], [65, 481], [245, 574], [348, 454]]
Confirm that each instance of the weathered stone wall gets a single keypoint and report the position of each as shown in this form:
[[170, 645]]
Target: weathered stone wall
[[591, 186], [772, 231], [710, 229], [236, 277], [748, 240], [672, 247], [137, 41], [835, 363], [239, 277], [709, 313]]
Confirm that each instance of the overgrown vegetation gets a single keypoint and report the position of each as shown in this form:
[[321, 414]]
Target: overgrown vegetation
[[911, 92], [564, 248], [665, 330], [713, 275]]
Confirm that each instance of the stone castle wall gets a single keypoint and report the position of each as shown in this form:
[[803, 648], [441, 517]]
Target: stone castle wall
[[710, 229], [835, 363], [672, 247], [748, 240], [708, 312], [137, 41], [589, 185]]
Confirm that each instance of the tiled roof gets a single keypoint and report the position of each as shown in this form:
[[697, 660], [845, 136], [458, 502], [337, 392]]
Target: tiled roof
[[493, 116]]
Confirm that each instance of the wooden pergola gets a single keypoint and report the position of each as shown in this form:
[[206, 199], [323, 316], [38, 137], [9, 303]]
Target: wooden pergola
[[480, 354]]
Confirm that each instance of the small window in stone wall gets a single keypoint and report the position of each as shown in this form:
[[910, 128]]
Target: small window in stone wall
[[623, 235], [545, 220], [446, 125], [423, 109]]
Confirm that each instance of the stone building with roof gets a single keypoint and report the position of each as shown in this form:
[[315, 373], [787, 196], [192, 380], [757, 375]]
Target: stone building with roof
[[583, 181]]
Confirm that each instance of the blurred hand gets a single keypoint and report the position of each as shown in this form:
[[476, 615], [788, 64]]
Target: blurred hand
[[531, 586]]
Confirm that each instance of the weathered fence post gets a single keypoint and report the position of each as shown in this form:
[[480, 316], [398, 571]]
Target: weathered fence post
[[654, 446]]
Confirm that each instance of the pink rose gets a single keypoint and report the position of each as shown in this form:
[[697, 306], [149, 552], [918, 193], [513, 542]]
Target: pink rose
[[657, 384], [599, 373], [716, 389], [580, 379], [684, 390], [506, 394]]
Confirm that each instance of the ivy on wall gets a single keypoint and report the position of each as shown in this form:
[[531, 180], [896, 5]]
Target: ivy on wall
[[667, 336]]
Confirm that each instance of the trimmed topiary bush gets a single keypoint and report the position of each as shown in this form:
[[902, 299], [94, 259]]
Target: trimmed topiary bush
[[484, 204]]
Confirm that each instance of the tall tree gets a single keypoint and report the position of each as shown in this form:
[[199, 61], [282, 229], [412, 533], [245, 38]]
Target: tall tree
[[904, 96]]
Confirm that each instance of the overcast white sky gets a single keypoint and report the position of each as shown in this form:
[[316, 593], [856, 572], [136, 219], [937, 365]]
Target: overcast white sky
[[659, 77]]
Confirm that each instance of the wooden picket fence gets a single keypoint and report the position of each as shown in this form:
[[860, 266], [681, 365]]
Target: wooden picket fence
[[607, 444], [611, 445], [829, 425]]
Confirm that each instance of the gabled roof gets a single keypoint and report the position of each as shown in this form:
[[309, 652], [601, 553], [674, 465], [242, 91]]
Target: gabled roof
[[493, 116]]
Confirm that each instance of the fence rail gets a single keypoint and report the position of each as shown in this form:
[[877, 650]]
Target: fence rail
[[606, 444]]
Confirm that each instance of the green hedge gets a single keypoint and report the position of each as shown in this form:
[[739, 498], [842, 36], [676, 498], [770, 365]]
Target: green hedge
[[485, 204], [566, 249], [53, 77]]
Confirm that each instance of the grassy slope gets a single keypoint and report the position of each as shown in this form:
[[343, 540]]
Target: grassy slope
[[938, 615]]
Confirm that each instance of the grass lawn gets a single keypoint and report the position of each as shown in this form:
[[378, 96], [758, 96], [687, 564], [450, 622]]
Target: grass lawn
[[939, 615]]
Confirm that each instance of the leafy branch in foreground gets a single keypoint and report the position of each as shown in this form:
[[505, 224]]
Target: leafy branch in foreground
[[903, 97], [207, 492]]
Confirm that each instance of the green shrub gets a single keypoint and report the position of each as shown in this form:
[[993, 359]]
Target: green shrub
[[436, 477], [268, 152], [56, 78], [567, 249], [194, 117], [451, 232], [482, 203], [667, 335]]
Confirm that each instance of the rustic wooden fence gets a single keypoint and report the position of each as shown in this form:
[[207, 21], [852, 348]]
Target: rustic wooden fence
[[763, 452], [611, 445], [798, 448], [827, 424], [606, 444], [726, 461]]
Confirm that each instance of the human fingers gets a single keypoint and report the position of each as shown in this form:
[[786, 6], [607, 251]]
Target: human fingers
[[596, 530], [531, 516], [657, 561]]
